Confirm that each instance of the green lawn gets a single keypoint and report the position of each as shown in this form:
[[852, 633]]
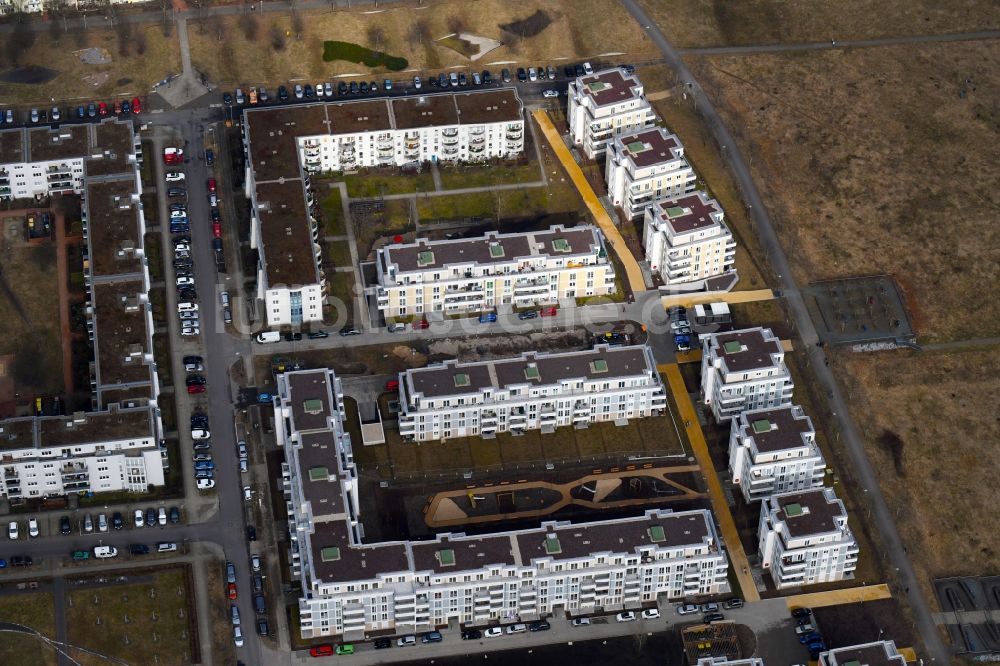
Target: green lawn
[[339, 253], [356, 53], [333, 215], [154, 258], [479, 204], [342, 286], [161, 354], [455, 176], [155, 617], [35, 610], [371, 183]]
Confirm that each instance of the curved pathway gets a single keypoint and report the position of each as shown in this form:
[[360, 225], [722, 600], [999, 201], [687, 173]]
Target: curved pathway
[[862, 469]]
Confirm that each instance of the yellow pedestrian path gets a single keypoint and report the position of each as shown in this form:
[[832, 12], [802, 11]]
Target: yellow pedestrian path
[[738, 558], [909, 654], [851, 595], [604, 221], [690, 300]]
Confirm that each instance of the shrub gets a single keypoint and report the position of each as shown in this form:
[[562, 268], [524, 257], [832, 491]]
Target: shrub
[[359, 54]]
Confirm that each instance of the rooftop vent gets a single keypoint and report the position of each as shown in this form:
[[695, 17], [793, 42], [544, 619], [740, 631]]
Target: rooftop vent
[[531, 372], [637, 147], [425, 258], [318, 473], [445, 557], [598, 365], [597, 86], [793, 510], [496, 250], [675, 211], [552, 546], [461, 379], [656, 534], [761, 426], [312, 406], [733, 347], [560, 245], [331, 554]]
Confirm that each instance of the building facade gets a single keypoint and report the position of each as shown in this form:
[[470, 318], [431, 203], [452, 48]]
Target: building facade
[[744, 370], [804, 539], [284, 145], [42, 161], [406, 131], [604, 105], [645, 167], [472, 275], [878, 653], [773, 451], [535, 391], [351, 589], [115, 445], [687, 241]]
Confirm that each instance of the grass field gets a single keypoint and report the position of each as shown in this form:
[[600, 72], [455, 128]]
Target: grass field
[[333, 215], [940, 405], [35, 610], [847, 148], [126, 76], [707, 23], [30, 321], [455, 176], [603, 28], [339, 253], [117, 620], [373, 182]]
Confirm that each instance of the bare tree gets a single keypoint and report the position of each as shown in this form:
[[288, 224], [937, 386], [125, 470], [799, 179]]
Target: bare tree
[[376, 38], [123, 30], [18, 42], [140, 43], [297, 25], [277, 38], [457, 24], [420, 33], [250, 27], [56, 10]]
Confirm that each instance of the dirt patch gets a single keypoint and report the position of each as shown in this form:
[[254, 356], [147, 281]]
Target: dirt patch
[[939, 406], [29, 75], [96, 80], [481, 349], [530, 26], [95, 56]]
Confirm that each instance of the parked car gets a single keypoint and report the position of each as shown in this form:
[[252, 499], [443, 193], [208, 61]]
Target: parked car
[[105, 552], [64, 526], [710, 607], [324, 650], [505, 75], [713, 617], [492, 632], [528, 314], [627, 616], [80, 555], [810, 637], [33, 527], [522, 75], [540, 625], [471, 635], [405, 641], [548, 312], [317, 335], [735, 602], [650, 614], [518, 628], [487, 317], [581, 622], [206, 484], [550, 93], [12, 530], [432, 637], [801, 612], [117, 521]]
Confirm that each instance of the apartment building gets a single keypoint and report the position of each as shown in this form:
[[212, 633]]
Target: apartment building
[[351, 589], [105, 451], [686, 240], [723, 661], [773, 450], [37, 6], [804, 538], [878, 653], [744, 370], [42, 161], [471, 275], [116, 444], [645, 167], [284, 145], [406, 131], [604, 105], [534, 391]]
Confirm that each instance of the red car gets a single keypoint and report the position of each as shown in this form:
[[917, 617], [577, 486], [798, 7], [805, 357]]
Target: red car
[[547, 312], [196, 388], [136, 105], [216, 229], [421, 324], [211, 184], [392, 385], [324, 650], [173, 156], [232, 591], [102, 109]]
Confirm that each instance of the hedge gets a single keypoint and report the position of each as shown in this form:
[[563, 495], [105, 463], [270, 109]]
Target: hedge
[[362, 55]]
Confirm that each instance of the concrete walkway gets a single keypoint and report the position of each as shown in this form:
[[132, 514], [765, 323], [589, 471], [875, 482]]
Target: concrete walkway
[[696, 298], [59, 606], [632, 271], [185, 88], [730, 535], [851, 595], [835, 44]]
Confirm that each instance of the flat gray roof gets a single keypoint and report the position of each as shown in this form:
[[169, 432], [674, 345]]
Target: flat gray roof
[[113, 227], [319, 473], [753, 353], [462, 553], [776, 429], [286, 234], [113, 142], [309, 393], [689, 212], [808, 512], [121, 341], [352, 563], [63, 143], [609, 86], [602, 362], [12, 146], [651, 146]]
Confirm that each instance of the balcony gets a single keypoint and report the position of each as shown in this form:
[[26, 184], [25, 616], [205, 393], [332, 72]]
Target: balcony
[[450, 133], [450, 151]]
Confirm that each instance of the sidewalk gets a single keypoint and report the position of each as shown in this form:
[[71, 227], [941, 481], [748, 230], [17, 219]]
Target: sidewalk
[[632, 271], [731, 537]]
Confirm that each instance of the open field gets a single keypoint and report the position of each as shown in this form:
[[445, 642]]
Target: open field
[[939, 475], [369, 183], [848, 149], [132, 75], [29, 310], [715, 23], [455, 176], [333, 215], [405, 32], [116, 620], [32, 609]]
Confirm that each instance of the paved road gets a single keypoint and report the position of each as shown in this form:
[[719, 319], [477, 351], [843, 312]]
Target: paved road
[[807, 333], [834, 44]]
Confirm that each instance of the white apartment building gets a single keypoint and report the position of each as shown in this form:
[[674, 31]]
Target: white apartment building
[[774, 450], [402, 131], [285, 144], [351, 589], [742, 370], [644, 167], [114, 446], [604, 105], [96, 452], [472, 275], [878, 653], [804, 538], [41, 161], [687, 241], [37, 6], [533, 391]]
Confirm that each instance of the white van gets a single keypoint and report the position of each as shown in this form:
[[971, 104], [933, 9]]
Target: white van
[[186, 306], [267, 337], [166, 547], [105, 552]]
